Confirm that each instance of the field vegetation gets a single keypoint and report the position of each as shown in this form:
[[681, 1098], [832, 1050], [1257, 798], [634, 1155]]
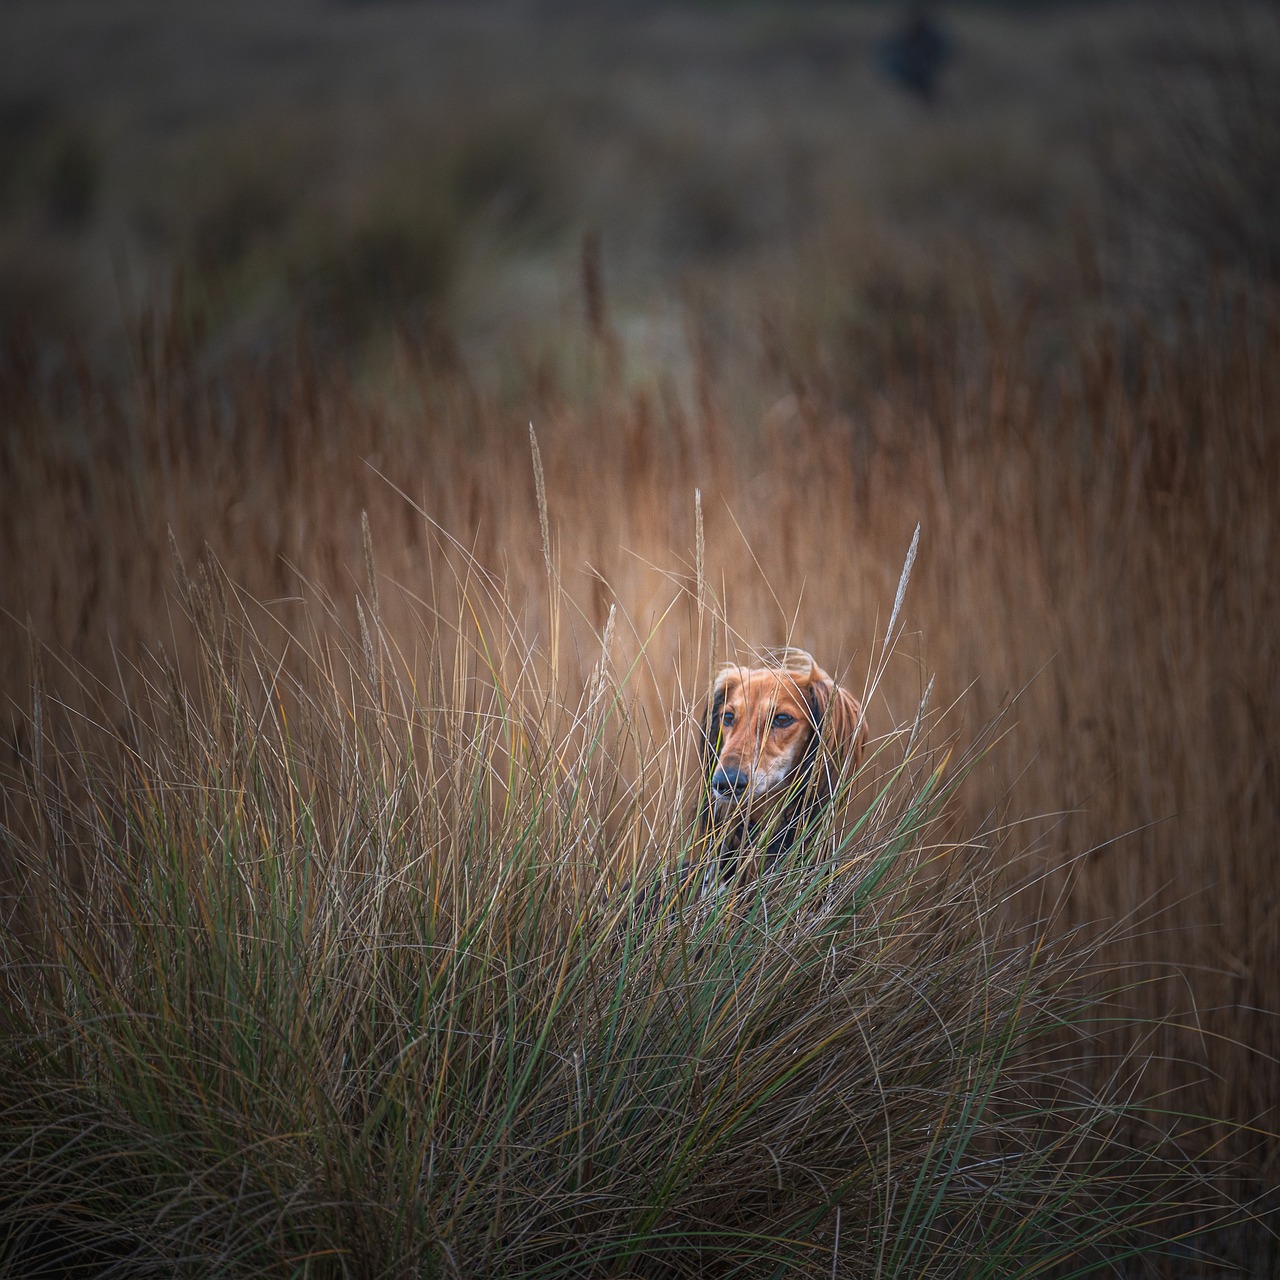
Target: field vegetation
[[367, 559]]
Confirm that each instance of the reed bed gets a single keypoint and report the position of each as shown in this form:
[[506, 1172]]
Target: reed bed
[[357, 967], [261, 839]]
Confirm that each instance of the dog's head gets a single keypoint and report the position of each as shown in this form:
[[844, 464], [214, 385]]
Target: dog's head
[[774, 732]]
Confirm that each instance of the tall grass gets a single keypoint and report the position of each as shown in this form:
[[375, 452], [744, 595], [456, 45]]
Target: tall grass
[[330, 962], [1097, 549]]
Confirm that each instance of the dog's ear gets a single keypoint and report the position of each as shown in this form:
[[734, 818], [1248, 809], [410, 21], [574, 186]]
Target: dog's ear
[[708, 732], [840, 721]]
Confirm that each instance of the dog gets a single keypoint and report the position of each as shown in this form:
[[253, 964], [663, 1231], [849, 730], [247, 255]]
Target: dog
[[774, 742]]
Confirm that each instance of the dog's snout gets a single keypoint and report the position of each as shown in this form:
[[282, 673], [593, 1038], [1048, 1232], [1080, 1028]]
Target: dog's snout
[[729, 783]]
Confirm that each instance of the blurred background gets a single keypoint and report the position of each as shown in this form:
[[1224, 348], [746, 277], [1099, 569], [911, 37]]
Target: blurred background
[[372, 162], [1006, 270]]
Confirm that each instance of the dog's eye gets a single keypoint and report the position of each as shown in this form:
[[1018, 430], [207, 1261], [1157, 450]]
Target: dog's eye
[[782, 719], [727, 718]]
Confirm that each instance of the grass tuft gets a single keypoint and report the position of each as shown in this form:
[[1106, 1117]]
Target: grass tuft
[[336, 964]]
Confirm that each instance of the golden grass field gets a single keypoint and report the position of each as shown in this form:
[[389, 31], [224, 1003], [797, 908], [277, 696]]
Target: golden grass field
[[749, 432]]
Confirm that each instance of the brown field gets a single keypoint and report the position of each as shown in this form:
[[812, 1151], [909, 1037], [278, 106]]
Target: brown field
[[1084, 425]]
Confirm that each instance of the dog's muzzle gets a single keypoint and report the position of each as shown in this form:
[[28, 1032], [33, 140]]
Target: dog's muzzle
[[728, 785]]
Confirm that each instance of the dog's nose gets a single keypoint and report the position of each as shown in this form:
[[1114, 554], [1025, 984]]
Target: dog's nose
[[729, 783]]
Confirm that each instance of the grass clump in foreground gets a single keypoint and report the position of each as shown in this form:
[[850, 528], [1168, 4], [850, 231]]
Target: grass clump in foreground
[[332, 961]]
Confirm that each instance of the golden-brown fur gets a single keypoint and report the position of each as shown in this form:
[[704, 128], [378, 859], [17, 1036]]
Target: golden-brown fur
[[775, 740]]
